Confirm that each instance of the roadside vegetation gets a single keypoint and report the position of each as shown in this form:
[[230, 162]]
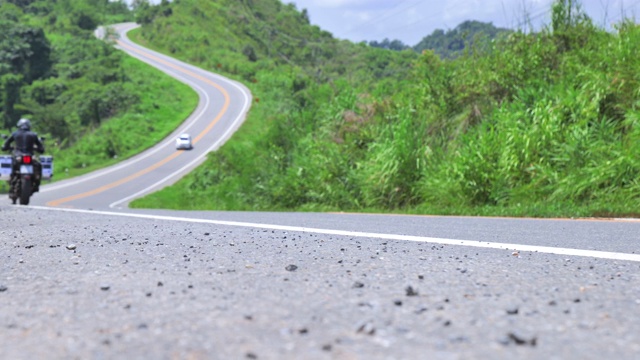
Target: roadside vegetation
[[509, 123], [536, 124], [94, 105]]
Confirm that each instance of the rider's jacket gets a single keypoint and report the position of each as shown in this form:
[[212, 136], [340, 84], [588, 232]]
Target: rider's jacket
[[26, 142]]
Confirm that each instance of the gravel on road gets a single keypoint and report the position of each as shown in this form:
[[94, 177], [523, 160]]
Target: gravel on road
[[91, 286]]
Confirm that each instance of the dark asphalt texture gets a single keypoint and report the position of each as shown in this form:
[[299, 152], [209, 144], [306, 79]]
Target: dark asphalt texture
[[88, 286], [588, 234]]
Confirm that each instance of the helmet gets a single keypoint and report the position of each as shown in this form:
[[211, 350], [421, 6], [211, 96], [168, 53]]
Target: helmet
[[24, 124]]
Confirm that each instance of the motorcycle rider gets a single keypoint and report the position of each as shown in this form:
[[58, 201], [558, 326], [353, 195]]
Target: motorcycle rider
[[26, 142]]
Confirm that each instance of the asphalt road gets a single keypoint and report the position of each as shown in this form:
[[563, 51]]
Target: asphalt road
[[86, 279]]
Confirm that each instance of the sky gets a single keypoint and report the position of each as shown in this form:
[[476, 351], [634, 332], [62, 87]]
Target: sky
[[411, 20]]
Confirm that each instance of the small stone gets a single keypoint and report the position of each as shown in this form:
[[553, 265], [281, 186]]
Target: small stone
[[513, 311], [358, 285], [252, 356], [458, 339], [3, 288], [367, 329], [104, 287], [410, 291], [326, 347], [71, 247], [291, 268], [520, 340]]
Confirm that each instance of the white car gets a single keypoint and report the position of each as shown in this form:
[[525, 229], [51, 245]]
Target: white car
[[183, 142]]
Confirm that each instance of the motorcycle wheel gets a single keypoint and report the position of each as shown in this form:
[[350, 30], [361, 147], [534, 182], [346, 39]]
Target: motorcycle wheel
[[12, 191], [25, 191]]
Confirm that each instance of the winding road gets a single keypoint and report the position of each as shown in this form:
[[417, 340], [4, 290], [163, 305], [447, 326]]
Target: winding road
[[221, 110], [82, 276]]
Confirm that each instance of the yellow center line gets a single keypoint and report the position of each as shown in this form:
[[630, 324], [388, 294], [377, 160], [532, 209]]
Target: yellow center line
[[112, 185]]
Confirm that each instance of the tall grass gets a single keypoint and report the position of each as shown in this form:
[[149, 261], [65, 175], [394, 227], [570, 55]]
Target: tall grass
[[542, 124]]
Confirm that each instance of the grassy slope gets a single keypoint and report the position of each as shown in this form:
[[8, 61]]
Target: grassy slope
[[545, 125], [215, 40]]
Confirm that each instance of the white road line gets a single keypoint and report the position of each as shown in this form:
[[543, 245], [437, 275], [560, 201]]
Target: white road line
[[423, 239]]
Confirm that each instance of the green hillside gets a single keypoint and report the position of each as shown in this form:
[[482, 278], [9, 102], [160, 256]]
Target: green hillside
[[540, 124]]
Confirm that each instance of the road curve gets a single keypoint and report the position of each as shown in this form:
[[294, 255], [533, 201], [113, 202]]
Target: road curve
[[221, 110]]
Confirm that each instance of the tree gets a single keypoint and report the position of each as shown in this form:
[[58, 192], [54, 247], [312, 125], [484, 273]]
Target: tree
[[24, 50], [395, 45], [571, 26], [250, 53], [144, 11], [25, 55], [21, 3], [9, 92], [137, 4]]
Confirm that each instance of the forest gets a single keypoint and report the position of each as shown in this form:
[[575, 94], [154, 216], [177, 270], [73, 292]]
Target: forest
[[90, 102], [49, 56]]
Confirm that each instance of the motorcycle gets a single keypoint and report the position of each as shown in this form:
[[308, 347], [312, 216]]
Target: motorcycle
[[25, 170]]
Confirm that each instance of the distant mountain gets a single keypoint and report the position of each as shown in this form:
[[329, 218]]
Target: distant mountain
[[452, 43]]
